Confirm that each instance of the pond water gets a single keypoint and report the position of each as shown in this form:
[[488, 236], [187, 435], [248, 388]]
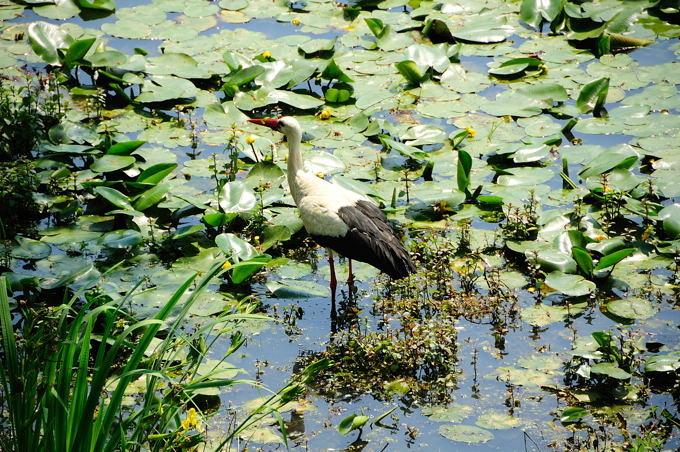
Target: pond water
[[515, 359]]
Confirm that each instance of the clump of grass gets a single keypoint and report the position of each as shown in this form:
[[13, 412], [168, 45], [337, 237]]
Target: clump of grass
[[66, 373]]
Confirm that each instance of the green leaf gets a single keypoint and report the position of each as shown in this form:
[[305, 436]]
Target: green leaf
[[465, 433], [583, 260], [109, 163], [670, 362], [614, 258], [573, 414], [632, 308], [46, 38], [610, 370], [245, 269], [236, 197], [242, 76], [156, 173], [463, 169], [26, 248], [376, 26], [151, 197], [115, 197], [124, 148], [124, 238], [352, 422], [105, 5], [572, 285], [592, 96], [186, 231], [533, 12], [233, 246], [77, 51], [411, 72], [670, 216]]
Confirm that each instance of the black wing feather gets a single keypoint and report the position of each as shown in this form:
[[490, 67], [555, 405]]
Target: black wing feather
[[370, 239]]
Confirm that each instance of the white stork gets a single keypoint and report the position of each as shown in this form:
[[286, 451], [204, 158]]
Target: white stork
[[337, 218]]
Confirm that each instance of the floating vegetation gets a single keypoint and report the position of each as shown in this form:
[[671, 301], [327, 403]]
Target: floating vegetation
[[525, 151]]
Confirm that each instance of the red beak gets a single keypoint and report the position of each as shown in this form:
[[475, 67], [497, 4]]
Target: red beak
[[272, 123]]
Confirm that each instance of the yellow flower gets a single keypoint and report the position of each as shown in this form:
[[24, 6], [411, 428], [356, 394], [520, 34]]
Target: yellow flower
[[256, 239], [266, 54], [472, 132], [226, 265], [599, 238], [531, 289], [191, 421], [295, 22], [606, 189], [319, 175], [647, 232], [250, 139], [325, 113]]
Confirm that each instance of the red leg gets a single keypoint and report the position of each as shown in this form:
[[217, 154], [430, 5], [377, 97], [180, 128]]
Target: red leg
[[350, 278]]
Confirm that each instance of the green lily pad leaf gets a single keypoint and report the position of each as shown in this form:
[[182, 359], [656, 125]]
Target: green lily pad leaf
[[632, 308], [243, 76], [179, 64], [297, 289], [264, 174], [610, 370], [399, 387], [64, 270], [583, 259], [543, 314], [317, 47], [160, 88], [621, 156], [484, 28], [115, 197], [77, 51], [670, 216], [411, 72], [26, 248], [515, 66], [124, 238], [614, 258], [573, 414], [552, 260], [533, 12], [245, 269], [352, 422], [234, 246], [355, 186], [236, 197], [509, 103], [531, 153], [549, 92], [46, 38], [302, 101], [465, 433], [107, 58], [109, 163], [453, 412], [59, 10], [273, 235], [670, 362], [429, 56], [156, 173], [607, 246], [105, 5], [497, 420], [151, 197], [186, 231], [223, 116], [125, 147], [572, 285], [593, 95]]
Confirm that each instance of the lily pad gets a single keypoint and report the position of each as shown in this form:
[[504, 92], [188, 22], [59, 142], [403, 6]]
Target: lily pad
[[632, 308], [465, 434]]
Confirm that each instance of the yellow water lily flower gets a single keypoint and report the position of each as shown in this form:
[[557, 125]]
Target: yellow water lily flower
[[295, 21], [250, 139], [325, 113], [472, 132], [226, 265], [267, 54]]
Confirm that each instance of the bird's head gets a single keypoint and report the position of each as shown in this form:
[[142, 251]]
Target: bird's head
[[286, 125]]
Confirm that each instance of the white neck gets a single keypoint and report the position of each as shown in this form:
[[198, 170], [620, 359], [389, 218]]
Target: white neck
[[294, 138]]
